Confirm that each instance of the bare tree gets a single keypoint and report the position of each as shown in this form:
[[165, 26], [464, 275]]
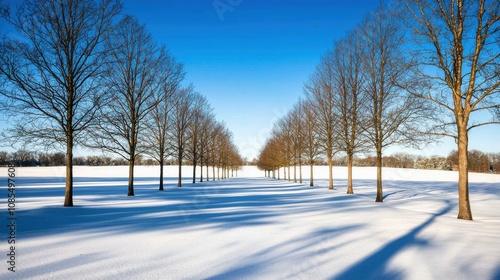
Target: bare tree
[[311, 138], [214, 146], [458, 45], [182, 118], [159, 125], [394, 113], [229, 157], [207, 127], [296, 122], [200, 111], [320, 94], [283, 134], [52, 74], [4, 158], [350, 98], [265, 160], [234, 159], [134, 80]]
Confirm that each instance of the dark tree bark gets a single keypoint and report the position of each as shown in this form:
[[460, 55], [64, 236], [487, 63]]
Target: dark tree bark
[[52, 74], [134, 80], [182, 118], [158, 129]]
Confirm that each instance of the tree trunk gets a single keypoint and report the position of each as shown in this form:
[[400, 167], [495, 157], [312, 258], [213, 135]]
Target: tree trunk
[[179, 163], [300, 169], [278, 173], [295, 173], [201, 169], [131, 164], [379, 176], [194, 169], [161, 173], [330, 173], [349, 174], [68, 195], [464, 209], [311, 180], [289, 173], [208, 178]]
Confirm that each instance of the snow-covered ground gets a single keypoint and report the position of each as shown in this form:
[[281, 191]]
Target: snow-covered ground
[[251, 227]]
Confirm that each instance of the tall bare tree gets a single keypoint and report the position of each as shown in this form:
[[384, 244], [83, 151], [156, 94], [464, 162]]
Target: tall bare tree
[[296, 123], [159, 124], [214, 146], [200, 111], [320, 94], [182, 118], [134, 79], [394, 113], [283, 133], [312, 145], [350, 98], [229, 156], [52, 74], [458, 45], [207, 127]]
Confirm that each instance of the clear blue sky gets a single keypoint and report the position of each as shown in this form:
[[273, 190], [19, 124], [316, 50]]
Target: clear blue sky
[[251, 58]]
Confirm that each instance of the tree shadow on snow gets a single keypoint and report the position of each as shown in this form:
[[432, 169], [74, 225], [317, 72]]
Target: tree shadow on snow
[[375, 266], [101, 205], [309, 248]]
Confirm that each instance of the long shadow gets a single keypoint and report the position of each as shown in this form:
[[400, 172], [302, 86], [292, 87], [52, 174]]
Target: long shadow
[[308, 247], [28, 187], [224, 205], [375, 265], [496, 276]]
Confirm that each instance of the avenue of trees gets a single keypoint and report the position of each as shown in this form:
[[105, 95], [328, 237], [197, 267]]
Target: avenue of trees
[[407, 74], [80, 73]]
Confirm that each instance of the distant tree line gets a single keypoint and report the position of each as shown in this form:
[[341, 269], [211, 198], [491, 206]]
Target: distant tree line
[[82, 73], [31, 159], [479, 161], [411, 71]]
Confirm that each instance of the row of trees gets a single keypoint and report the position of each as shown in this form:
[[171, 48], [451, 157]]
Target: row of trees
[[29, 158], [81, 73], [404, 75]]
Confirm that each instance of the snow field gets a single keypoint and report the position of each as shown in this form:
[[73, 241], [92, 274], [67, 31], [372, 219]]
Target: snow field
[[253, 227]]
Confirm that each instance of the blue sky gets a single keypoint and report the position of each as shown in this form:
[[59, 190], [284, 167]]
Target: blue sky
[[250, 58]]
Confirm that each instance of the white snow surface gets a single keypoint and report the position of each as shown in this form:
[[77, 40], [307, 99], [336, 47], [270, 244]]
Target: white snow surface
[[251, 227]]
